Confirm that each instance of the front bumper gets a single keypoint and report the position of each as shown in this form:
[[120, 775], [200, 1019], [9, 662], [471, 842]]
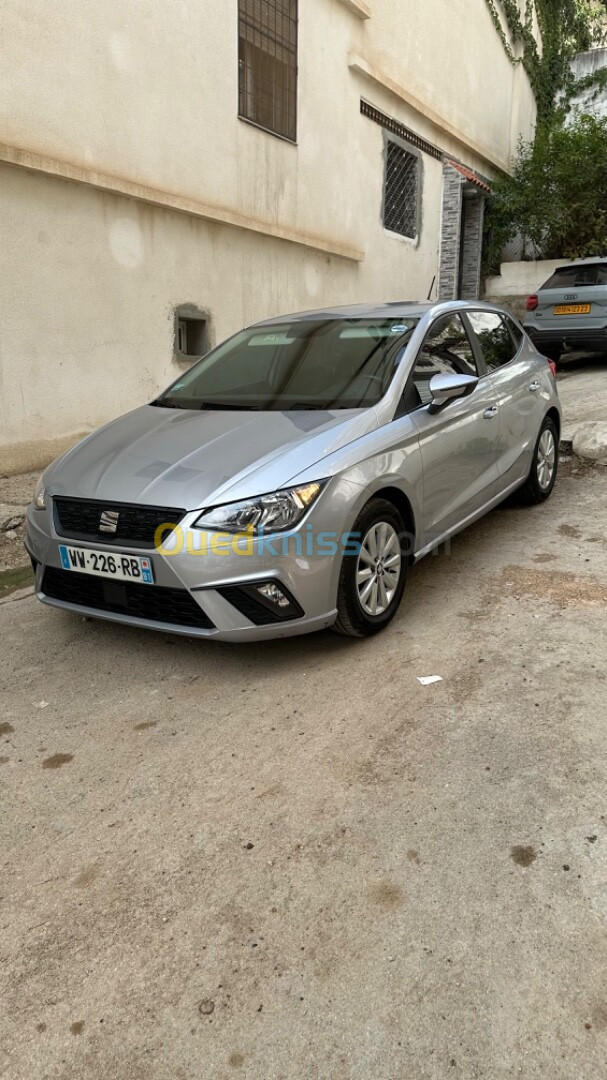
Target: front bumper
[[213, 589]]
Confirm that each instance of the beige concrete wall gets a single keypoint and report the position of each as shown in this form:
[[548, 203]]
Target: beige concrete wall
[[141, 99], [90, 281], [148, 90], [450, 57]]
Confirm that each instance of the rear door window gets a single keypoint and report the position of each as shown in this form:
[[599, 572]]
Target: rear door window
[[494, 338]]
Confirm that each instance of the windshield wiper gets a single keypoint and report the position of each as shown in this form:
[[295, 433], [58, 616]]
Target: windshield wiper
[[228, 406], [194, 406]]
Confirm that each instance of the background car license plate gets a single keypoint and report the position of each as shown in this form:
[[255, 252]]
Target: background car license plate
[[136, 568], [572, 309]]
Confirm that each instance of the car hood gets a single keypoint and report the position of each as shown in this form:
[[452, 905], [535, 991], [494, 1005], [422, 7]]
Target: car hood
[[187, 459]]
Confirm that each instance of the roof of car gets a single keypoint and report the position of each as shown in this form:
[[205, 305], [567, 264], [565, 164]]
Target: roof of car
[[396, 309], [583, 262]]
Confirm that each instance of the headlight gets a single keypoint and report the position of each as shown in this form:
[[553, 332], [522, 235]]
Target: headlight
[[271, 513], [39, 496]]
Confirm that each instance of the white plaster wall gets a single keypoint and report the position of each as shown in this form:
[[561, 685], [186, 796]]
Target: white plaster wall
[[89, 282], [590, 101], [149, 90], [450, 56], [146, 91], [522, 278]]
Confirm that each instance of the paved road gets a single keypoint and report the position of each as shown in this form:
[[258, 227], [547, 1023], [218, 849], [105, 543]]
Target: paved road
[[581, 386], [293, 860]]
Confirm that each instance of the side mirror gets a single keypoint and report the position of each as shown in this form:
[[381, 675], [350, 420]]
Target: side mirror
[[445, 388]]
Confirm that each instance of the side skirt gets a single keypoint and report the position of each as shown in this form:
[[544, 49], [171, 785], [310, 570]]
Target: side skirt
[[461, 525]]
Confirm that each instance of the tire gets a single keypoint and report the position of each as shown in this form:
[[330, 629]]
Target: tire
[[380, 528], [542, 475]]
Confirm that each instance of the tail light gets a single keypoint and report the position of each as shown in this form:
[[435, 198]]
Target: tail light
[[532, 302], [552, 366]]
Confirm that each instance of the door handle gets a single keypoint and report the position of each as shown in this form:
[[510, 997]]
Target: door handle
[[490, 413], [534, 385]]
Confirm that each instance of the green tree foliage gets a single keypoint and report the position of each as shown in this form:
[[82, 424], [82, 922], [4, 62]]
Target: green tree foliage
[[556, 198]]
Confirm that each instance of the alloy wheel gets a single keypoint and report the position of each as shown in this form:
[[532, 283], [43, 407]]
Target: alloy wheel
[[378, 568], [546, 459]]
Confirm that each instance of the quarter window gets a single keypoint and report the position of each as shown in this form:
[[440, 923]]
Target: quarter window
[[401, 190], [267, 65], [494, 338], [446, 351]]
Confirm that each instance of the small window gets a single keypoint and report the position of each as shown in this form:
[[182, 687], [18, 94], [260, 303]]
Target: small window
[[191, 336], [401, 190], [494, 338], [446, 351], [267, 65]]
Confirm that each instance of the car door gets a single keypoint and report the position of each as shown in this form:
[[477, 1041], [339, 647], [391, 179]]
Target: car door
[[458, 442], [516, 389]]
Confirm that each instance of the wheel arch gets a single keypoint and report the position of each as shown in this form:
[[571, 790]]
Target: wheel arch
[[401, 503], [554, 415]]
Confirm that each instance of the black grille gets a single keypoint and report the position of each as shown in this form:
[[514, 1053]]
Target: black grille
[[174, 606], [79, 519], [400, 195]]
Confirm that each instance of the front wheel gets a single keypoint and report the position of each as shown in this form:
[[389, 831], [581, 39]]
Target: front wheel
[[372, 581], [544, 467]]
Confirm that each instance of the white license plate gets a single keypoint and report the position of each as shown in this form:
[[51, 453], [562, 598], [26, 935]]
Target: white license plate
[[106, 564]]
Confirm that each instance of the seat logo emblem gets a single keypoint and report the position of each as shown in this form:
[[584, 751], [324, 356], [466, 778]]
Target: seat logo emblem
[[108, 522]]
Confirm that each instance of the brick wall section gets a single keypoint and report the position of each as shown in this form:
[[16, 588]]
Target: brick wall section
[[474, 212], [450, 233]]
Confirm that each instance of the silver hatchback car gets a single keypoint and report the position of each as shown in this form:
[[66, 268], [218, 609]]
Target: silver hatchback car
[[288, 480]]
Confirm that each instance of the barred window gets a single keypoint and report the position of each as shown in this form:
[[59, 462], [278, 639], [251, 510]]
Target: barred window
[[401, 190], [267, 65]]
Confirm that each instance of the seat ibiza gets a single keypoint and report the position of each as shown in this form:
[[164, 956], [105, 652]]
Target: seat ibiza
[[292, 476]]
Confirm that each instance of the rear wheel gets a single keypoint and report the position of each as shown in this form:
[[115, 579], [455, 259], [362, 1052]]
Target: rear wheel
[[544, 467], [371, 582]]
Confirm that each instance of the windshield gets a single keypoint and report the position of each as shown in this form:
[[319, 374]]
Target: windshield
[[329, 364]]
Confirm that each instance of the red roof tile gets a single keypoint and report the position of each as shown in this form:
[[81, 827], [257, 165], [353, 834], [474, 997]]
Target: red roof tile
[[469, 175]]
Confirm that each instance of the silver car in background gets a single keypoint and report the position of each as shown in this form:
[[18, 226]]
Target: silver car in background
[[289, 479], [569, 311]]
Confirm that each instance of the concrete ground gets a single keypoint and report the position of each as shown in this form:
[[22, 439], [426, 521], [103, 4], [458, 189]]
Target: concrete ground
[[292, 860], [582, 386]]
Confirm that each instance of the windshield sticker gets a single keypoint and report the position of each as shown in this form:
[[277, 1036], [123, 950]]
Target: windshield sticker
[[271, 339]]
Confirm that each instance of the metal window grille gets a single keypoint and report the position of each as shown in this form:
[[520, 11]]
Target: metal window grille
[[267, 64], [401, 190]]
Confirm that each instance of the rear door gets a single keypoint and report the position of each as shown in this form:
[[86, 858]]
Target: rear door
[[516, 388], [575, 297], [458, 444]]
